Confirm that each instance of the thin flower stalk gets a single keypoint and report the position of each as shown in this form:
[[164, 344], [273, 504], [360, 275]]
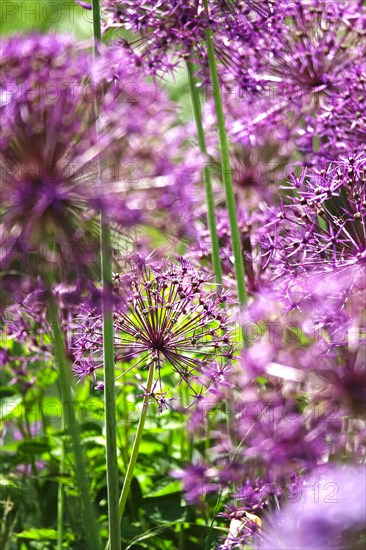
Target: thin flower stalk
[[226, 173], [108, 352], [211, 218], [136, 444], [60, 494], [89, 523]]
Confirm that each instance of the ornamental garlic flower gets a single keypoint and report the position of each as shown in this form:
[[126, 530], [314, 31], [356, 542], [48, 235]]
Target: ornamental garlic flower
[[340, 128], [168, 29], [165, 315], [171, 30], [329, 513], [60, 161], [314, 46], [248, 228], [323, 230]]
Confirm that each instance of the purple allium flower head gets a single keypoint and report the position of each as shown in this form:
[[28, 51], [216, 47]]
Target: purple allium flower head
[[168, 317], [201, 249], [261, 145], [330, 514], [198, 480], [324, 229], [315, 44], [52, 152], [340, 128], [171, 30], [254, 495], [245, 515]]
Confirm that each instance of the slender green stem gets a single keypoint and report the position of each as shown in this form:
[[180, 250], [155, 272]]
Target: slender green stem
[[97, 28], [136, 443], [211, 219], [89, 521], [60, 493], [108, 353], [135, 447], [109, 393], [226, 171]]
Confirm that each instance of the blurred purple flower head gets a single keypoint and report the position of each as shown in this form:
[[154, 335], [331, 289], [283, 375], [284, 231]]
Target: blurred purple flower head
[[340, 128], [261, 144], [199, 479], [201, 249], [85, 5], [57, 156], [330, 514]]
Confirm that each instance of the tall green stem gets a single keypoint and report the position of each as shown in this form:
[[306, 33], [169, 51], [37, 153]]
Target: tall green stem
[[89, 522], [109, 392], [60, 494], [108, 353], [97, 28], [196, 105], [136, 445], [226, 171]]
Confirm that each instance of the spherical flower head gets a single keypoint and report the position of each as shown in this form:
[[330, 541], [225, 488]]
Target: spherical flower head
[[171, 30], [59, 158], [198, 481], [168, 317], [340, 128], [248, 228], [313, 48], [329, 513], [323, 231], [262, 144]]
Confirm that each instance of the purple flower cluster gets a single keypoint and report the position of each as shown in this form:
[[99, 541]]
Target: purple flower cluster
[[77, 136], [330, 514], [171, 30], [277, 429], [324, 229]]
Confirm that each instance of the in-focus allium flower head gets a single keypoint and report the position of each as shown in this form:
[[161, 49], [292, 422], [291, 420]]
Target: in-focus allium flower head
[[315, 44], [324, 229], [169, 317], [55, 162], [168, 29], [340, 128]]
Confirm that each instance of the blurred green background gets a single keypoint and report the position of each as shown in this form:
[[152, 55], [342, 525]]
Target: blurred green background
[[64, 16]]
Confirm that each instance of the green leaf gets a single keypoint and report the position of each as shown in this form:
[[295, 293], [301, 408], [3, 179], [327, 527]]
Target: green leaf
[[44, 535], [165, 487], [38, 534], [34, 447], [6, 391], [165, 508]]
